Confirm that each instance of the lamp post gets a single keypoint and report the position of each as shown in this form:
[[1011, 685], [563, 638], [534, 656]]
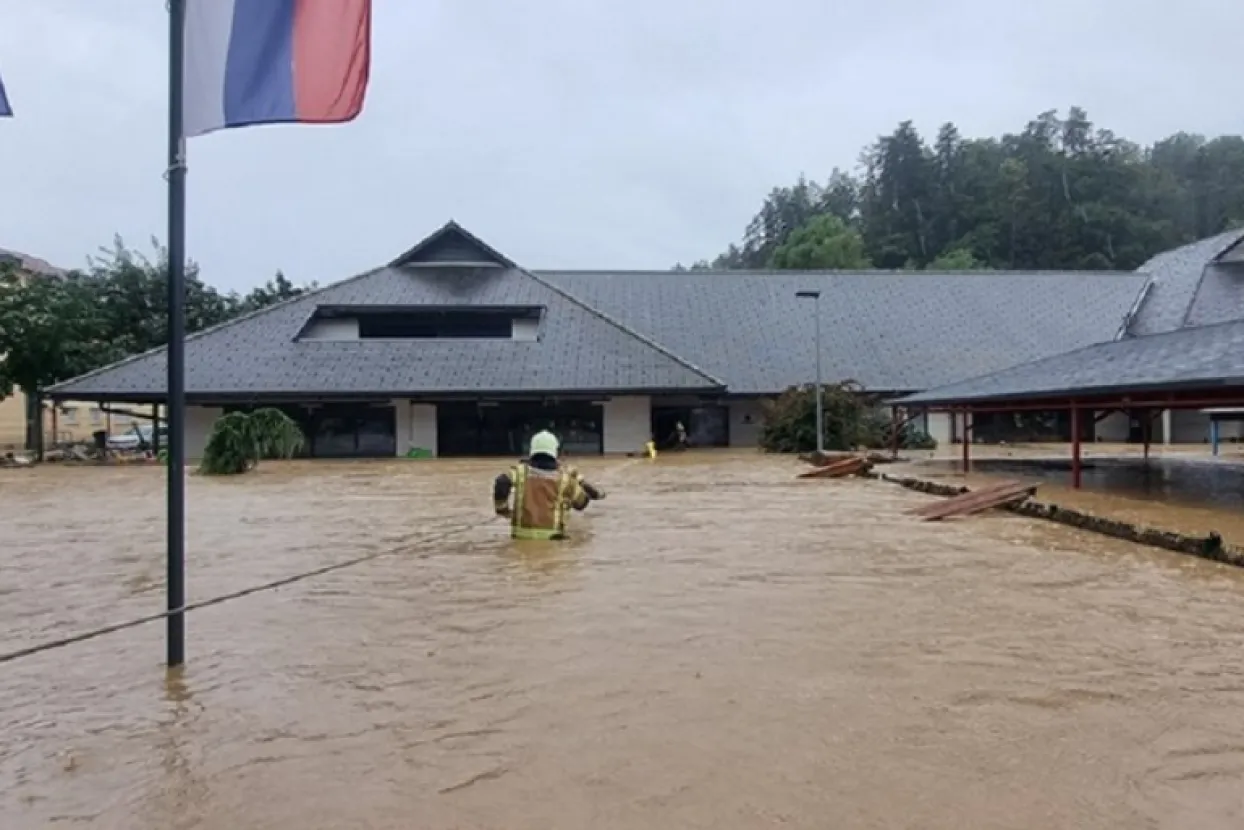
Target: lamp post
[[815, 297]]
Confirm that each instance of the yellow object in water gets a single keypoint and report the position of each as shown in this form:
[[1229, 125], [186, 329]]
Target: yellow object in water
[[651, 449]]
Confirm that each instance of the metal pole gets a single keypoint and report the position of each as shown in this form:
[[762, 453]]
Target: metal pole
[[820, 386], [176, 530]]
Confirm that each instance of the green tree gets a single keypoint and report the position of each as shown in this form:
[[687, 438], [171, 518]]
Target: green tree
[[276, 290], [956, 259], [132, 292], [239, 440], [1060, 193], [51, 329], [824, 242]]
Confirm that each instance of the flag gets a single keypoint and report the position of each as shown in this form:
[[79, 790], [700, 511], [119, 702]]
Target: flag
[[274, 62], [5, 110]]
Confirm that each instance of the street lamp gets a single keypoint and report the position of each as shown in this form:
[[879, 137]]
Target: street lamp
[[815, 297]]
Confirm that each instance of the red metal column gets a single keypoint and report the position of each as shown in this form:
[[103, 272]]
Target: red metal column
[[966, 435], [1075, 447]]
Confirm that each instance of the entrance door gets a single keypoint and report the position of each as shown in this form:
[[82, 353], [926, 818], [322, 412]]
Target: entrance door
[[707, 425]]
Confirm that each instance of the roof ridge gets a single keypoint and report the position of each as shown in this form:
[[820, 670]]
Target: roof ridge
[[647, 341], [241, 318], [744, 272]]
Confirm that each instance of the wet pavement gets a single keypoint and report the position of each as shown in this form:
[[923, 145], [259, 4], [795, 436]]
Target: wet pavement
[[720, 646]]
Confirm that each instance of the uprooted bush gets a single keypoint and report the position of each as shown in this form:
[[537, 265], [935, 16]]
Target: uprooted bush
[[240, 439], [853, 420]]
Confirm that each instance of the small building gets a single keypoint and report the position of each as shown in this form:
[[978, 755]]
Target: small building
[[454, 349]]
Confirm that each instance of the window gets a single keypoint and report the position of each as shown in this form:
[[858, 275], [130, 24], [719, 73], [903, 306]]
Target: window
[[437, 325], [69, 414]]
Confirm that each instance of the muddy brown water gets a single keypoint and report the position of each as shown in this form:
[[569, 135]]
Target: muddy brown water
[[719, 647]]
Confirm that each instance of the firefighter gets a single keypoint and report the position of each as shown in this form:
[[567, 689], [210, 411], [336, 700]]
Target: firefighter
[[543, 491]]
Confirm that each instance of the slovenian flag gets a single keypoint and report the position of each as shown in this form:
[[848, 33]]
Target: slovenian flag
[[274, 62], [5, 110]]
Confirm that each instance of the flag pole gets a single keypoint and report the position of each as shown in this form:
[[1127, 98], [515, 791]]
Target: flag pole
[[176, 175]]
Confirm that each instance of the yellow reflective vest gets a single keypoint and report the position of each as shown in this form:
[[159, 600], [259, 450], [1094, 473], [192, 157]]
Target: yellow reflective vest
[[541, 501]]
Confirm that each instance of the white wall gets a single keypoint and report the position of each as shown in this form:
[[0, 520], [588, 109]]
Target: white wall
[[525, 329], [1115, 428], [1189, 427], [415, 426], [745, 418], [423, 426], [336, 328], [937, 425], [628, 423], [199, 423]]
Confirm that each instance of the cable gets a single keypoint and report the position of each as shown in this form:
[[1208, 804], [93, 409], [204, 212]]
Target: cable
[[82, 637], [8, 657]]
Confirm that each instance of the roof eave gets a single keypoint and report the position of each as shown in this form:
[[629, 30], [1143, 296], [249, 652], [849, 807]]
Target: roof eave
[[1085, 395], [200, 398]]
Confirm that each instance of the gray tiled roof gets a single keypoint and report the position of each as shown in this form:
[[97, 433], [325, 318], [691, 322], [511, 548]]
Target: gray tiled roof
[[578, 349], [889, 331], [1220, 297], [616, 331], [1184, 358], [1177, 275]]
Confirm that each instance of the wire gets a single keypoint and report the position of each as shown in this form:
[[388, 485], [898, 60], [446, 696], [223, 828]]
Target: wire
[[82, 637]]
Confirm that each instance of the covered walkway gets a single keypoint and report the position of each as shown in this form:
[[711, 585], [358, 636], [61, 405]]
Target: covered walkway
[[1189, 369]]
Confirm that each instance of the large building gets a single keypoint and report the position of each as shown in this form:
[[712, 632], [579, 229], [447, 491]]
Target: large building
[[454, 349]]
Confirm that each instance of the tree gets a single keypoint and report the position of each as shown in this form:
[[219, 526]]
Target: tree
[[1060, 193], [239, 440], [958, 259], [51, 329], [851, 417], [824, 242], [276, 290], [132, 290]]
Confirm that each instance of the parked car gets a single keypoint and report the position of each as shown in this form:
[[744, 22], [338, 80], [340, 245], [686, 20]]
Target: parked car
[[138, 438]]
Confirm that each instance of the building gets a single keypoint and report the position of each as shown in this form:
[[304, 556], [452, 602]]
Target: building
[[454, 349], [1182, 360]]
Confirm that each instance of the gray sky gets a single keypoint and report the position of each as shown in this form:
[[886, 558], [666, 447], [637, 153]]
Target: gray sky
[[567, 133]]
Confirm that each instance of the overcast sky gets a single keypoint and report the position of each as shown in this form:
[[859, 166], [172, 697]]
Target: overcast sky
[[567, 133]]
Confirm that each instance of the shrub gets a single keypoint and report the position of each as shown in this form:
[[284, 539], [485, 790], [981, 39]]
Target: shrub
[[240, 439], [852, 421]]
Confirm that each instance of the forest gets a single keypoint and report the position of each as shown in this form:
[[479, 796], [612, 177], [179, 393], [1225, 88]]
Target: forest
[[1062, 193]]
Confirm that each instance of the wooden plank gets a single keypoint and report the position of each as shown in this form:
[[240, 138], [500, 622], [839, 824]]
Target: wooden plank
[[968, 508], [967, 502], [977, 501], [839, 469], [967, 496]]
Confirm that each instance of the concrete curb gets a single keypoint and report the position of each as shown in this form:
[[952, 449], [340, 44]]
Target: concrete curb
[[1210, 546]]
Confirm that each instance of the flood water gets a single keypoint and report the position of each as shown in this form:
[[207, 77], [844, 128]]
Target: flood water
[[719, 647], [1193, 482]]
